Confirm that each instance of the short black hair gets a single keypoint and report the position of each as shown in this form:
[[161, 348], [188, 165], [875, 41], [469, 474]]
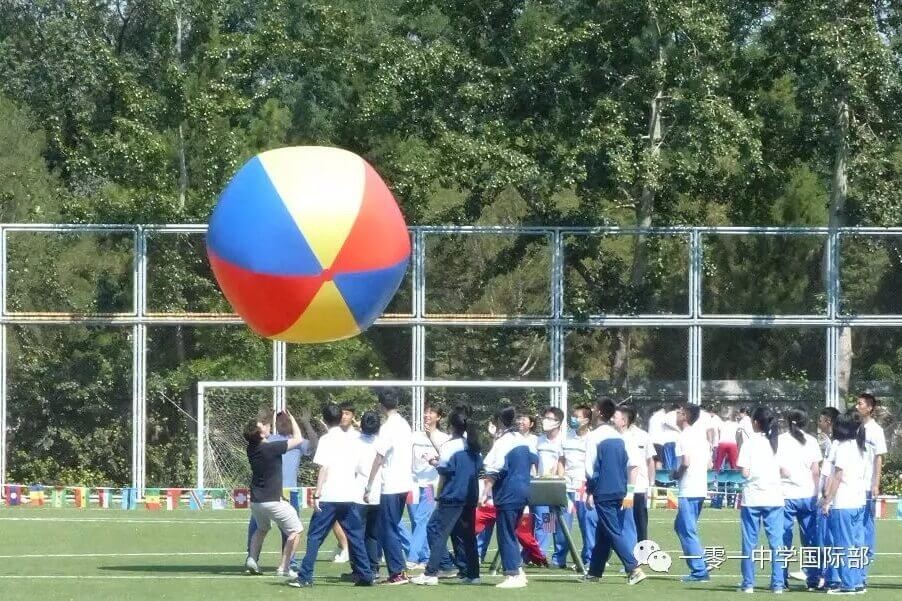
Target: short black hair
[[506, 416], [435, 408], [348, 406], [558, 414], [388, 398], [869, 398], [744, 410], [369, 423], [629, 411], [530, 417], [585, 410], [830, 413], [252, 432], [331, 414], [606, 408], [692, 412]]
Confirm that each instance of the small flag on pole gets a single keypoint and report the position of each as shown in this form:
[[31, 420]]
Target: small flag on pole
[[103, 497], [218, 497], [173, 496], [129, 498], [240, 498], [36, 495], [549, 521], [81, 497], [152, 499], [196, 499]]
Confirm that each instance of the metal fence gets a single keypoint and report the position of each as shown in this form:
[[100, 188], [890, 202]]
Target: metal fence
[[553, 316]]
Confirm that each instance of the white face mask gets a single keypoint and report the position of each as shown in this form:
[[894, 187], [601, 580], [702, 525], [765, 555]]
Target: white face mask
[[492, 429], [549, 424]]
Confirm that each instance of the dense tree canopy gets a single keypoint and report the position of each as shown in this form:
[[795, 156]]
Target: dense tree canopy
[[577, 112]]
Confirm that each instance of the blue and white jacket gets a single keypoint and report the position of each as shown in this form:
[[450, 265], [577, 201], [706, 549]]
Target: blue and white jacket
[[509, 464]]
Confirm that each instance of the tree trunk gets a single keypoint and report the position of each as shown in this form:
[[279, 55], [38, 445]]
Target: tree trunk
[[183, 164], [644, 212], [837, 211]]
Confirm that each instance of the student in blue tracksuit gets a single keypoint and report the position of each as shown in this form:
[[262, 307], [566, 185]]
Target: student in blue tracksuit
[[875, 448], [825, 422], [799, 456], [458, 465], [693, 459], [508, 466], [762, 498], [844, 503], [610, 475]]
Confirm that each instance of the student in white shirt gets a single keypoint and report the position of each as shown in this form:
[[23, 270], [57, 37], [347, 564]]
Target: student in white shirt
[[762, 498], [393, 462], [573, 462], [348, 424], [670, 433], [426, 446], [336, 499], [800, 458], [369, 512], [550, 449], [844, 501], [875, 443], [638, 440], [694, 457], [745, 430], [527, 424]]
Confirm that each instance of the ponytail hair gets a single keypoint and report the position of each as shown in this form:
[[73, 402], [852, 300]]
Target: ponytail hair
[[797, 419], [461, 425], [767, 424], [847, 427]]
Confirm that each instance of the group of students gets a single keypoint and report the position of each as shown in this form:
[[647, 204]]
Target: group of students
[[825, 485], [364, 480], [608, 463]]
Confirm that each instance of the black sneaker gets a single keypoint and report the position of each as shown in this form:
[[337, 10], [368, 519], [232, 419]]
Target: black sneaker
[[359, 582], [588, 578]]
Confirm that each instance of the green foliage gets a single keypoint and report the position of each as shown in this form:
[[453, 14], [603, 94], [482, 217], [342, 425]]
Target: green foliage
[[488, 112]]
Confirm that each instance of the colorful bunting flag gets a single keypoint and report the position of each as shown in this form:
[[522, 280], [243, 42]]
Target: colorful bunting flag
[[196, 499], [152, 499], [218, 497], [36, 495], [240, 498], [58, 497], [103, 497], [81, 497], [13, 495], [173, 496], [129, 498]]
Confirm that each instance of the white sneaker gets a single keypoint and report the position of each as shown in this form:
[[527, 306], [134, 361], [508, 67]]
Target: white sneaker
[[412, 565], [513, 582], [424, 580], [289, 573], [798, 575], [251, 567], [749, 590], [523, 575], [446, 574], [341, 557]]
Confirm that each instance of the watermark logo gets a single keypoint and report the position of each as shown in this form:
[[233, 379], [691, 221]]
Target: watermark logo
[[648, 552]]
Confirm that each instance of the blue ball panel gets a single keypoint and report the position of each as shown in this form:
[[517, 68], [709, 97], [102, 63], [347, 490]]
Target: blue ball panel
[[367, 293], [252, 229]]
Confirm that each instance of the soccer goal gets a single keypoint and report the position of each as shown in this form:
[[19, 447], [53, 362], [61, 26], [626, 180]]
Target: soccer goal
[[224, 407]]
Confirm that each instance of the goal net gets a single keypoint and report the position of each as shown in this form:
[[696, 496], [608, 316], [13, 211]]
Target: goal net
[[224, 407]]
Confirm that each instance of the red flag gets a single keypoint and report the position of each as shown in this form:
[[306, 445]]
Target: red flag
[[240, 498], [173, 495]]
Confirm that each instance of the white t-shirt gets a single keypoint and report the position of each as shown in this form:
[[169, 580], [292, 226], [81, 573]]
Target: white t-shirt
[[875, 444], [423, 450], [851, 493], [728, 429], [713, 423], [763, 486], [643, 449], [549, 451], [827, 467], [656, 426], [395, 444], [745, 427], [332, 453], [574, 449], [366, 452], [693, 443], [797, 459], [670, 432]]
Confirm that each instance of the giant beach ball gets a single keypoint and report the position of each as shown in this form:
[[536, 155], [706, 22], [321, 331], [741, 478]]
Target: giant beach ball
[[308, 244]]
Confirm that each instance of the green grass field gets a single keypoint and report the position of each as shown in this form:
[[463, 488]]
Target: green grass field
[[109, 554]]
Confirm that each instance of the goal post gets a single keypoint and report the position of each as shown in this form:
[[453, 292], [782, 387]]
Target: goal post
[[224, 406]]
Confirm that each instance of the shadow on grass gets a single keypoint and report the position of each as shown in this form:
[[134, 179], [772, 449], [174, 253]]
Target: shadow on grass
[[219, 570]]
